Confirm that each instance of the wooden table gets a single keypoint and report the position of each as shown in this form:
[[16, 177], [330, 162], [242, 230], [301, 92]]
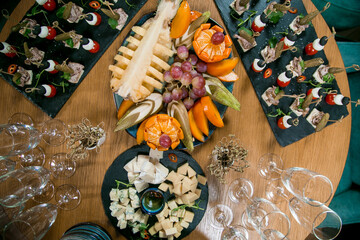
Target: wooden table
[[324, 152]]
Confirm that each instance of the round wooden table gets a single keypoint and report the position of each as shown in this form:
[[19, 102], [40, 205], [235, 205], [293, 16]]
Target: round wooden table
[[324, 152]]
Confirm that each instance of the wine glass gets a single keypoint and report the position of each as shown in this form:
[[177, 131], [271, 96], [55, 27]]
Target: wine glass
[[17, 186], [34, 157], [32, 223], [320, 220], [305, 184], [62, 166], [67, 197], [6, 165], [46, 194], [16, 139], [221, 217]]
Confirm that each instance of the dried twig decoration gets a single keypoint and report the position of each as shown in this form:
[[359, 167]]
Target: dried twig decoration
[[83, 137], [228, 154]]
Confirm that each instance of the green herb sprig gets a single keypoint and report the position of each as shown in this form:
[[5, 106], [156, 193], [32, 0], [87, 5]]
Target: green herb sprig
[[120, 182], [195, 206]]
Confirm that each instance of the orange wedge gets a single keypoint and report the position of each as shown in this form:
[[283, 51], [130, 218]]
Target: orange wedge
[[211, 111], [200, 118], [230, 77], [124, 106], [195, 15], [140, 132], [223, 67], [181, 21], [195, 131]]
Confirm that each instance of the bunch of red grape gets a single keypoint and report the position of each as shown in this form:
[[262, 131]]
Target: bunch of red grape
[[184, 79]]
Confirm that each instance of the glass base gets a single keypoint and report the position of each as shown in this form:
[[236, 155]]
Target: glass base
[[266, 166], [67, 196], [47, 193], [61, 166], [34, 157], [54, 132], [220, 215], [240, 190]]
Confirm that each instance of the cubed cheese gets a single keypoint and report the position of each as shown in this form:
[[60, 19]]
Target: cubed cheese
[[158, 226], [193, 187], [178, 200], [114, 206], [129, 212], [148, 167], [190, 172], [136, 202], [166, 224], [144, 219], [177, 188], [158, 178], [122, 221], [137, 215], [174, 219], [132, 177], [184, 224], [170, 231], [172, 204], [162, 234], [125, 202], [160, 218], [183, 169], [118, 212], [147, 177], [114, 194], [170, 237], [155, 154], [123, 195], [192, 196], [201, 179], [135, 229], [178, 227], [172, 177], [171, 188], [181, 213], [198, 192], [161, 169], [189, 216], [129, 167], [152, 230], [132, 193], [163, 187], [140, 185], [194, 180]]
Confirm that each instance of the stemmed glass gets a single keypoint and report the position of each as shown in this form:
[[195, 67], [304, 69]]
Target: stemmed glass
[[32, 223], [221, 217], [304, 184], [260, 214], [62, 166], [6, 165]]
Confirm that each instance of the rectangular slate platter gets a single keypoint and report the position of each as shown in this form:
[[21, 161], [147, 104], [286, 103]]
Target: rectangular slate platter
[[56, 51], [260, 84]]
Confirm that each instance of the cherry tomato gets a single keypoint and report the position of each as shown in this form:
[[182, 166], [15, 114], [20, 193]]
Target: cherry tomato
[[94, 4], [50, 5], [281, 83], [52, 33], [11, 53], [54, 71], [95, 48], [256, 28], [285, 46], [267, 73], [280, 123], [309, 49], [12, 69], [98, 19], [293, 10], [310, 91], [300, 78], [330, 99]]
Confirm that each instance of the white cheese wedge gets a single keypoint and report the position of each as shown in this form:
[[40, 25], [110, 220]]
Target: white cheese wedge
[[140, 185], [156, 154], [129, 167], [132, 176]]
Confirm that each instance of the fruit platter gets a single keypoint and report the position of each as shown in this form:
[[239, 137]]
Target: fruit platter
[[52, 49], [286, 64], [172, 83], [178, 185]]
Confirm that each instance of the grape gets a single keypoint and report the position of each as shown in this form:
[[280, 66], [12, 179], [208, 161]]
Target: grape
[[183, 52], [192, 59], [165, 141], [186, 79], [194, 73], [186, 66], [177, 59], [167, 97], [176, 72], [199, 91], [198, 82], [178, 64], [217, 38], [189, 103], [192, 95], [185, 92], [167, 76], [201, 67], [176, 94]]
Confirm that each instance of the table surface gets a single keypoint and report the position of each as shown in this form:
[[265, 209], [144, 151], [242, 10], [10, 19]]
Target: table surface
[[324, 152]]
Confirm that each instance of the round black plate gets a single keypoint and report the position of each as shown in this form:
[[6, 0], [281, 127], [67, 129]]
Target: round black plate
[[117, 172]]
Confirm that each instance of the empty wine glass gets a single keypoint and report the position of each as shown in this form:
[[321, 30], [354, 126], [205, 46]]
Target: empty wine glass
[[46, 194], [32, 223], [6, 165], [221, 217], [320, 220], [67, 197], [16, 139], [305, 184], [17, 186], [33, 157], [62, 166]]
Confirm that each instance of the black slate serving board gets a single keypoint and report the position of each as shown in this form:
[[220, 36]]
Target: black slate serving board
[[116, 172], [56, 51], [260, 84]]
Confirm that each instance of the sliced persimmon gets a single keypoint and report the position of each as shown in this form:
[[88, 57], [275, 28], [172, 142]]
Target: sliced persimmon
[[223, 67], [181, 21], [140, 132], [124, 106], [194, 15], [230, 77], [195, 131], [200, 118], [211, 111]]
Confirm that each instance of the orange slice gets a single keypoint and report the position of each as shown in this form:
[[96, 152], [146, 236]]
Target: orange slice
[[211, 111], [195, 131], [230, 77], [181, 21], [200, 118], [223, 67], [124, 106]]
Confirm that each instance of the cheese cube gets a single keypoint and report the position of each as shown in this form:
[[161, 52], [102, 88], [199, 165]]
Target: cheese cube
[[135, 229], [158, 226], [178, 200], [190, 172], [181, 213], [177, 234], [172, 204], [193, 187], [141, 159], [183, 169], [114, 206], [162, 234], [184, 224], [171, 188], [140, 185], [163, 187], [159, 168], [166, 224], [135, 203], [152, 230], [178, 227], [174, 219], [148, 167], [132, 177], [155, 154], [201, 179], [180, 176], [170, 231], [137, 215], [147, 177], [194, 180], [125, 201], [132, 193], [160, 218], [114, 194], [173, 177], [144, 219], [129, 167], [129, 212], [189, 216], [198, 192], [122, 222], [170, 237], [118, 212], [166, 212], [177, 188], [192, 196], [123, 195]]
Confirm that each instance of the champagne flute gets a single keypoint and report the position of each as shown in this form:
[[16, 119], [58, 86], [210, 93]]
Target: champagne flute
[[6, 165], [320, 220], [305, 184], [32, 223]]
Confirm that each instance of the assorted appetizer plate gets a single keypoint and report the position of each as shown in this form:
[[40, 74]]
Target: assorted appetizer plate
[[260, 84], [221, 108], [55, 50], [172, 160]]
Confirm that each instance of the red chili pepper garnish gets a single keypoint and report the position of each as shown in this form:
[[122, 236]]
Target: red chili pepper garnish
[[172, 157], [12, 69], [300, 78], [267, 73], [293, 10], [146, 234], [95, 4]]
